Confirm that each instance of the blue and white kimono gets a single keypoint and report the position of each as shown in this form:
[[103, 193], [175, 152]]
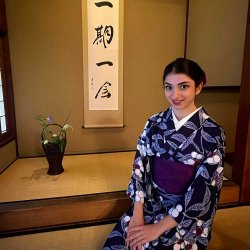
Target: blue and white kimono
[[198, 144]]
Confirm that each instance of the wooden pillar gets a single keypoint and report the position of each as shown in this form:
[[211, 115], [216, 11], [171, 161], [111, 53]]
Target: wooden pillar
[[241, 168]]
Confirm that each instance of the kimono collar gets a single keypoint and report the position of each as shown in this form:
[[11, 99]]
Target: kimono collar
[[178, 123], [190, 126], [176, 138]]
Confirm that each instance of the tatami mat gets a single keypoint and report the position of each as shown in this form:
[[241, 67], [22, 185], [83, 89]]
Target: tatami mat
[[231, 231], [27, 178], [88, 238]]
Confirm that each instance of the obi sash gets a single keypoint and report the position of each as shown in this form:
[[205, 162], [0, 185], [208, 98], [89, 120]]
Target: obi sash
[[173, 177]]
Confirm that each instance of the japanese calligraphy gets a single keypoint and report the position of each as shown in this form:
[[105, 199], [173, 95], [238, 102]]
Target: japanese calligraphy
[[104, 62], [104, 88], [103, 54], [104, 3], [104, 36]]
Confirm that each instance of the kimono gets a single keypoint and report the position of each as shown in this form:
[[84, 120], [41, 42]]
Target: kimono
[[199, 145]]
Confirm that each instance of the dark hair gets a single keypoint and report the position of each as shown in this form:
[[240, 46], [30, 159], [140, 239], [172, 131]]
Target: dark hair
[[187, 67]]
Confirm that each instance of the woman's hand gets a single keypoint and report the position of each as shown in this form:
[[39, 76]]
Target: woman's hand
[[137, 219], [134, 222], [139, 235]]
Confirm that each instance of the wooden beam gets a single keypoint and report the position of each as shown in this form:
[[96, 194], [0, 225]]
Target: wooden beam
[[34, 215], [37, 214], [230, 193], [242, 143], [245, 194]]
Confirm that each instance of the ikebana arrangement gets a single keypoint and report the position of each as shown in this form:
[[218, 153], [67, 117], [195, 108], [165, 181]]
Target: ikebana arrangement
[[53, 140]]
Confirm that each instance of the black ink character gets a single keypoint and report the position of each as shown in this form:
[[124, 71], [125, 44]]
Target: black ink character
[[104, 3], [106, 36], [104, 88], [104, 62]]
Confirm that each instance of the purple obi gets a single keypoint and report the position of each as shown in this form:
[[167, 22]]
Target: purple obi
[[173, 177]]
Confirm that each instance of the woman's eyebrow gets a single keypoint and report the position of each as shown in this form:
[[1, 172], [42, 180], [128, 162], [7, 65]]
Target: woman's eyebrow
[[183, 83], [166, 83]]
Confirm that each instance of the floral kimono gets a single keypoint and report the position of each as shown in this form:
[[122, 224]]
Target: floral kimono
[[188, 190]]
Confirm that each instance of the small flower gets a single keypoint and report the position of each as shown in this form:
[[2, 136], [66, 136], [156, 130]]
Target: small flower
[[49, 119], [190, 162], [66, 126], [182, 232], [179, 208], [139, 196], [179, 244], [213, 159], [127, 218], [175, 213], [53, 133], [137, 172], [201, 229], [194, 154]]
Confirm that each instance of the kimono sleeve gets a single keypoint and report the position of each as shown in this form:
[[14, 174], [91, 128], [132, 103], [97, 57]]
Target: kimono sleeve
[[198, 205], [139, 183]]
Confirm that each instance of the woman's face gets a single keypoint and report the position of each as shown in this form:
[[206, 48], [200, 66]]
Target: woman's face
[[180, 91]]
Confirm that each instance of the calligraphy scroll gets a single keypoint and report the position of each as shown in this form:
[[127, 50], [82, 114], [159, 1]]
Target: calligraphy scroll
[[102, 63]]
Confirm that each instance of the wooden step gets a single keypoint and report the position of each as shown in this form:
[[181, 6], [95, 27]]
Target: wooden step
[[49, 214]]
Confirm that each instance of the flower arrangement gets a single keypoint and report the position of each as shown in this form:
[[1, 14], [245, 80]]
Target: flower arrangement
[[53, 134]]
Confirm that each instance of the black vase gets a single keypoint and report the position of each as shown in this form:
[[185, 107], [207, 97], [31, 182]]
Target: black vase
[[54, 157], [54, 148]]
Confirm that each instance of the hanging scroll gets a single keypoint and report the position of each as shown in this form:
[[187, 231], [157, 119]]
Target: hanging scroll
[[102, 63]]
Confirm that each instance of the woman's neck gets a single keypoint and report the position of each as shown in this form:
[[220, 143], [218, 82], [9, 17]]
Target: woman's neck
[[180, 114]]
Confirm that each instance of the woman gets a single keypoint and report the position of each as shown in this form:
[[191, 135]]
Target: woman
[[177, 172]]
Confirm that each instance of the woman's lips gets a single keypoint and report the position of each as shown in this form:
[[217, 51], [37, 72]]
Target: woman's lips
[[177, 102]]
